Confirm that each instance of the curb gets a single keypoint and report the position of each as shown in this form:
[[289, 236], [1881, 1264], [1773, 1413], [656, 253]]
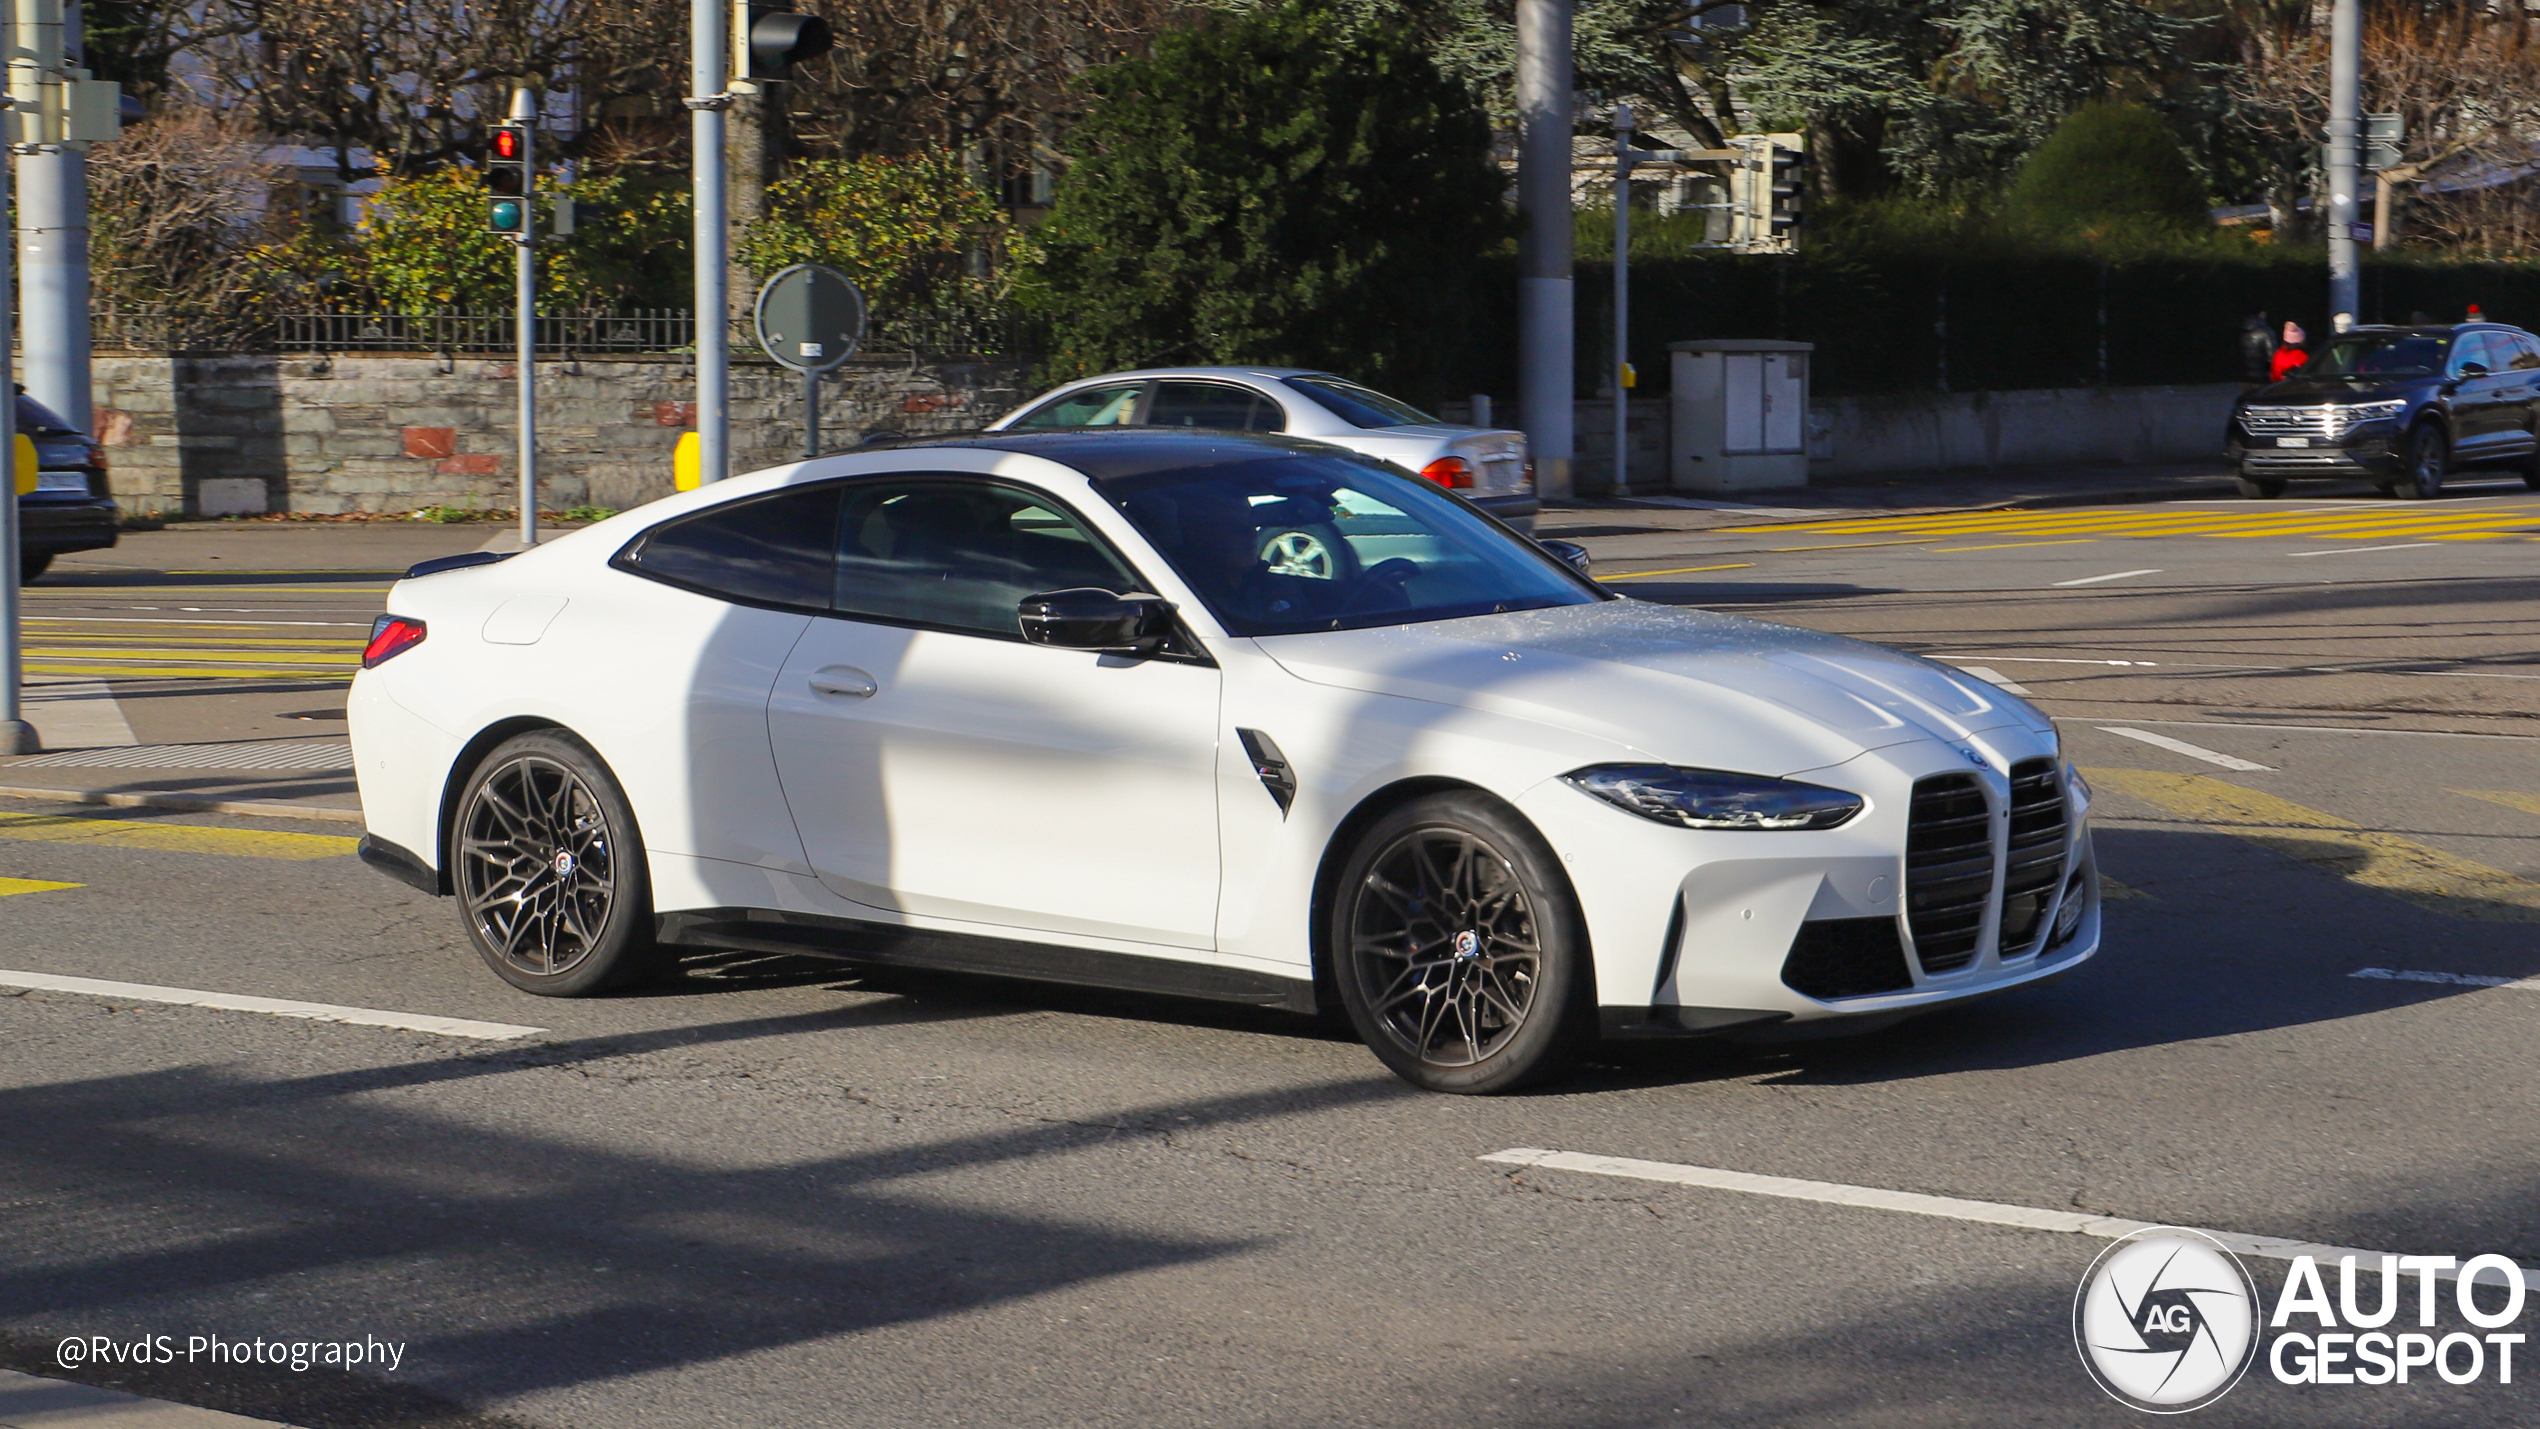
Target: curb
[[191, 804]]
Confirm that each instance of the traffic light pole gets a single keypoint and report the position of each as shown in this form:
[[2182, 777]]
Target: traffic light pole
[[2345, 124], [525, 311], [710, 248], [1622, 299], [1546, 339], [16, 735]]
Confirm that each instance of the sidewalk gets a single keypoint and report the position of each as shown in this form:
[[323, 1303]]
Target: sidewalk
[[27, 1402], [2030, 487]]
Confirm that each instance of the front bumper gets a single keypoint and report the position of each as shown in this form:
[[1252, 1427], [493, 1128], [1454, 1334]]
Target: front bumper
[[1703, 932], [2374, 457]]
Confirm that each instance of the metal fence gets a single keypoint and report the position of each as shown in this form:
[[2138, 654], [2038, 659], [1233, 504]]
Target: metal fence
[[939, 333]]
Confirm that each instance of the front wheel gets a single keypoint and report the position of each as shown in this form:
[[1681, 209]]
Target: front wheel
[[2429, 461], [1459, 948], [32, 564], [550, 871], [2260, 488]]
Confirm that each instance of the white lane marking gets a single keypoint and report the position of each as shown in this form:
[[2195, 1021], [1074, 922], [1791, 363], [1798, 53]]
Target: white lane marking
[[1996, 678], [2192, 751], [76, 714], [2335, 729], [1991, 1213], [2518, 984], [2050, 660], [273, 1006], [2359, 550], [2110, 576], [2467, 674]]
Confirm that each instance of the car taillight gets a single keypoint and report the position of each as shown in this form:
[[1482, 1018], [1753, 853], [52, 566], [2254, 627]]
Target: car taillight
[[1452, 472], [391, 636]]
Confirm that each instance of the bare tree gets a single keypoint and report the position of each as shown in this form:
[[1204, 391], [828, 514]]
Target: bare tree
[[182, 224]]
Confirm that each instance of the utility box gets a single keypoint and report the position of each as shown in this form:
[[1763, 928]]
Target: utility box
[[1740, 414]]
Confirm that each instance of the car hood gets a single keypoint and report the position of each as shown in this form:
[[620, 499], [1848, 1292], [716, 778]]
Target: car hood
[[1680, 686], [2299, 390]]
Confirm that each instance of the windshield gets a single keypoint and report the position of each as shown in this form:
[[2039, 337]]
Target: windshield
[[2384, 354], [1360, 406], [1288, 544]]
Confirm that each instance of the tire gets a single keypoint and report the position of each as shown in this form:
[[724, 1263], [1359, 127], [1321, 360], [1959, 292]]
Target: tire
[[1458, 947], [32, 564], [1309, 552], [2531, 474], [2429, 461], [540, 808], [2260, 488]]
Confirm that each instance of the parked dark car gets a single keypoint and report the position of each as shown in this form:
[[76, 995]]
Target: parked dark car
[[70, 508], [2401, 407]]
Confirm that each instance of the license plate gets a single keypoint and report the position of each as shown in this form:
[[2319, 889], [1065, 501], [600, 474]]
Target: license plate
[[2293, 441], [62, 481]]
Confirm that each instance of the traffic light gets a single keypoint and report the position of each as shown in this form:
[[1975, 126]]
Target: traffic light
[[507, 180], [1789, 187], [780, 39]]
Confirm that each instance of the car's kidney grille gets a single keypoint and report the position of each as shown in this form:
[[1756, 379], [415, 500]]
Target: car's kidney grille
[[1948, 870], [2326, 421], [2034, 865]]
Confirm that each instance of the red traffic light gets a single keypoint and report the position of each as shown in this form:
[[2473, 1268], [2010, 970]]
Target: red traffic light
[[507, 145]]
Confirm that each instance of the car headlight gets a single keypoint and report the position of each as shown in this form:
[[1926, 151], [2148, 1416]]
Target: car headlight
[[2080, 788], [2363, 412], [1716, 798]]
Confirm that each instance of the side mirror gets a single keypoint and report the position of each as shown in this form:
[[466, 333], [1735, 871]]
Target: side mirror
[[1571, 554], [2473, 369], [1088, 618]]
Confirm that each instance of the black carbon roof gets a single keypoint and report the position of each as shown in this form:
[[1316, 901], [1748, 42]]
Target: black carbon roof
[[1104, 452]]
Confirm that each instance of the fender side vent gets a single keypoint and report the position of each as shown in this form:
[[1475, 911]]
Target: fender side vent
[[1271, 765], [1847, 957]]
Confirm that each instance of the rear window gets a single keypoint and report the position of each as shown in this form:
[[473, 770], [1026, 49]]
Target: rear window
[[776, 550], [36, 419], [1360, 406]]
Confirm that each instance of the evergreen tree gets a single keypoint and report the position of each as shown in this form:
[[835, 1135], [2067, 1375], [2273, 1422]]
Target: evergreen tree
[[1284, 186], [2109, 168]]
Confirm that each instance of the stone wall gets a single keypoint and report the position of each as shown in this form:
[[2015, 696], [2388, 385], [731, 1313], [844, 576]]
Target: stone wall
[[329, 434]]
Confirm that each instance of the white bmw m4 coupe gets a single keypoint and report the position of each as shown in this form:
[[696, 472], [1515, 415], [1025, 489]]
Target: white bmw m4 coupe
[[1221, 715]]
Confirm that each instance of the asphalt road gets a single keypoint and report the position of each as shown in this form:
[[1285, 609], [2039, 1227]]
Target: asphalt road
[[779, 1192]]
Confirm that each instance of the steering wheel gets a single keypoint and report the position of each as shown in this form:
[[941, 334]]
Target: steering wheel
[[1391, 572]]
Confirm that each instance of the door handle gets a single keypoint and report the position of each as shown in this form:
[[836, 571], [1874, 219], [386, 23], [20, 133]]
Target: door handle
[[844, 680]]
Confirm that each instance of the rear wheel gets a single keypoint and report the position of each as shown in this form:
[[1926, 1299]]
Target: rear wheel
[[2260, 488], [550, 871], [32, 564], [2429, 461], [1459, 947]]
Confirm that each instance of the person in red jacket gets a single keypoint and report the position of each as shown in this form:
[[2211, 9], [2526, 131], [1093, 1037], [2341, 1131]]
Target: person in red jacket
[[2290, 355]]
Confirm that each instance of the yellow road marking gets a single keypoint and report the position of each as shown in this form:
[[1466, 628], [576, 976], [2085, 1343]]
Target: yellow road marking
[[32, 885], [2011, 545], [172, 838], [2528, 803], [2427, 877], [1678, 571], [191, 672], [1853, 545]]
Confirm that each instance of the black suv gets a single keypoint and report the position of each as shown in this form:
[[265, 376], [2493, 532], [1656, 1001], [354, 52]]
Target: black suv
[[2401, 407], [70, 508]]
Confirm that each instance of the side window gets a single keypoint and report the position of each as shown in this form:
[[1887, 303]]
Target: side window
[[776, 550], [1221, 405], [961, 555], [2526, 353], [1110, 405], [2473, 349]]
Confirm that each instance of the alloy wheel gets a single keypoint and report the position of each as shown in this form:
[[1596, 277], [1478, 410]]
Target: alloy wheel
[[1445, 947], [535, 866], [1300, 553]]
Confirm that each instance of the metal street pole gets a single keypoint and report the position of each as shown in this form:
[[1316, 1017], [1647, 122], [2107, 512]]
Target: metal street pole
[[1622, 298], [710, 249], [525, 309], [16, 735], [1546, 386], [2345, 125], [53, 243]]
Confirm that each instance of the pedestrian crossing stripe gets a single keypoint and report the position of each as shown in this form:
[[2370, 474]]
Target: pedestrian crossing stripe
[[2427, 877], [9, 886], [171, 838], [68, 645]]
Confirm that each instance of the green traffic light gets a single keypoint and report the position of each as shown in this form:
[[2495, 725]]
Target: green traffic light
[[507, 215]]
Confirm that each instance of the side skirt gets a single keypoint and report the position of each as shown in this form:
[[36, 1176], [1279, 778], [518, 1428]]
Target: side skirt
[[400, 864], [770, 931]]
